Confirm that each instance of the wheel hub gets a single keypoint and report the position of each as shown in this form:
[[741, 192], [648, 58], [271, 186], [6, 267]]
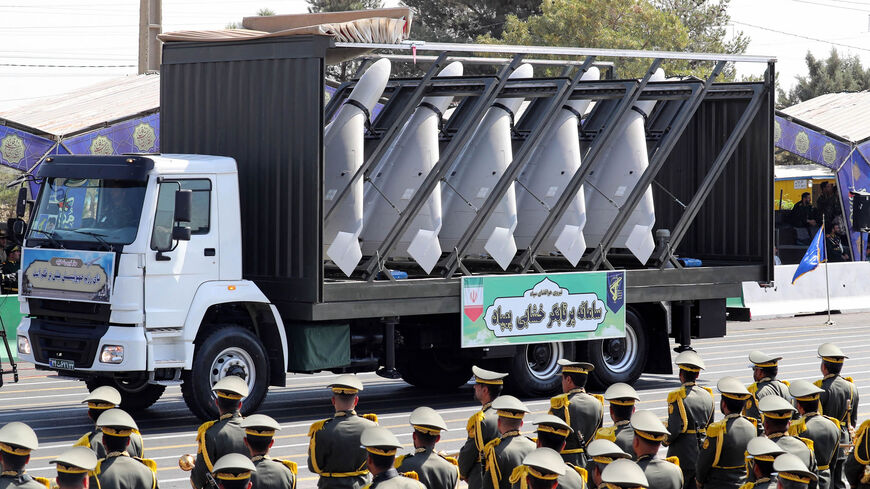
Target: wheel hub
[[542, 360], [233, 361]]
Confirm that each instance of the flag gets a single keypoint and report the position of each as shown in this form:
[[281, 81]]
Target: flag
[[813, 257]]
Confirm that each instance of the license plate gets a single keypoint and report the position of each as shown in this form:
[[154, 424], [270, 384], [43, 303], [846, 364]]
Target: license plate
[[61, 363]]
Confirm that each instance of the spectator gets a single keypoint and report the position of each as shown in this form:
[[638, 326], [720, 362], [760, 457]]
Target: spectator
[[803, 217], [9, 270], [776, 259], [836, 252]]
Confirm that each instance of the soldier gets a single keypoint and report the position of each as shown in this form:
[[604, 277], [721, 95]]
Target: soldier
[[334, 451], [649, 433], [270, 473], [721, 459], [482, 427], [856, 467], [233, 471], [764, 370], [792, 473], [824, 431], [623, 474], [776, 414], [506, 453], [601, 453], [839, 400], [583, 412], [381, 447], [552, 433], [223, 436], [119, 470], [74, 467], [99, 400], [760, 453], [690, 410], [541, 469], [622, 398], [17, 440], [434, 470]]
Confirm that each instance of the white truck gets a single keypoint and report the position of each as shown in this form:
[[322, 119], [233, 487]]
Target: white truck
[[279, 254]]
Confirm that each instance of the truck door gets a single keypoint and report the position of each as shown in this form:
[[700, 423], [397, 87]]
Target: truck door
[[172, 278]]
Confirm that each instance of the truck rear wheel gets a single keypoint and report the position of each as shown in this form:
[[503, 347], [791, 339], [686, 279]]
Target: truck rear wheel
[[227, 350], [136, 393], [619, 359], [534, 370]]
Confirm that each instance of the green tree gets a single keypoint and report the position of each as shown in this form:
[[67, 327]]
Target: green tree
[[466, 20], [315, 6], [832, 75]]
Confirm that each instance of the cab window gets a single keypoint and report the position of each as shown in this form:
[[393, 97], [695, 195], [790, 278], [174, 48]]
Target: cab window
[[200, 222]]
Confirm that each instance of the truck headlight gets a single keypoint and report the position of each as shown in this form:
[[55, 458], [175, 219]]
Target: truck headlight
[[112, 354], [23, 345]]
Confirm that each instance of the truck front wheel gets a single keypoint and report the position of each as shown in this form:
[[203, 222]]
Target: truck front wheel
[[534, 370], [227, 350], [619, 359], [136, 393]]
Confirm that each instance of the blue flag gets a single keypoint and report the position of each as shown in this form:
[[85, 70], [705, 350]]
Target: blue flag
[[814, 256]]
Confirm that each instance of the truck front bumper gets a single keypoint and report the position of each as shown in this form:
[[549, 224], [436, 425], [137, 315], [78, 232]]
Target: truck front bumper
[[82, 344]]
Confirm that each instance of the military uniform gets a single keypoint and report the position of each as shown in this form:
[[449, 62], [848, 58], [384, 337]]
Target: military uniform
[[583, 412], [334, 451], [660, 473], [223, 436], [758, 450], [435, 471], [765, 387], [552, 427], [101, 399], [118, 470], [76, 460], [19, 439], [824, 431], [544, 464], [482, 428], [857, 466], [624, 474], [789, 467], [777, 408], [621, 433], [270, 473], [840, 401], [721, 459], [690, 411], [380, 441], [505, 453], [600, 453], [233, 467]]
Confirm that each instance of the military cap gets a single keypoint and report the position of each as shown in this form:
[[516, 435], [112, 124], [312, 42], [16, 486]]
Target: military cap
[[379, 441], [569, 367], [231, 387], [346, 384], [509, 407], [621, 394], [233, 467], [260, 425], [103, 397], [791, 468], [76, 460], [804, 390], [483, 376], [830, 352], [427, 420], [116, 422], [761, 359], [553, 424], [604, 451], [18, 439], [624, 473], [648, 426], [732, 388], [763, 448], [775, 407], [544, 463], [690, 360]]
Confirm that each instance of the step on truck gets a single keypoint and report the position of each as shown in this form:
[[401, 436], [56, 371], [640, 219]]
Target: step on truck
[[508, 206]]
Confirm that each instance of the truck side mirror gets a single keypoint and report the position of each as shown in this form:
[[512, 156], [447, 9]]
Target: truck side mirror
[[183, 205], [16, 228], [21, 203], [181, 233]]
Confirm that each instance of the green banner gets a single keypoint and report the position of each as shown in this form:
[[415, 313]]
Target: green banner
[[522, 309]]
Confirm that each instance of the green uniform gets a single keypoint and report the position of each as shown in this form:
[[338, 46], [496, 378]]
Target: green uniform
[[391, 479], [721, 463], [121, 471], [434, 470], [574, 478], [94, 440], [764, 387], [858, 460], [585, 414], [690, 410], [215, 439], [763, 483], [620, 433], [482, 428], [273, 474], [799, 447], [334, 451], [825, 434], [502, 456], [839, 401], [14, 480], [661, 474]]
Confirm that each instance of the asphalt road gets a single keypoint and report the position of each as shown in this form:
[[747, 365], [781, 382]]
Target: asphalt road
[[52, 405]]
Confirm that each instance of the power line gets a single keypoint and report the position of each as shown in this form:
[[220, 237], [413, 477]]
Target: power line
[[834, 6], [801, 36], [20, 65]]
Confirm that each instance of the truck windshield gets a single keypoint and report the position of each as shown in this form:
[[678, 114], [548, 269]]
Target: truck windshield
[[104, 211]]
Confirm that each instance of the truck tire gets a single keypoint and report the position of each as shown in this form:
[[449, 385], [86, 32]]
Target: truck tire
[[534, 370], [227, 350], [619, 359], [135, 395], [438, 369]]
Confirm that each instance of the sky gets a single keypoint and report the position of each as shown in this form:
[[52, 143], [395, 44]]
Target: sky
[[50, 47]]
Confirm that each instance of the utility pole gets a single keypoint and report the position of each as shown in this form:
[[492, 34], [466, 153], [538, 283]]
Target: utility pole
[[150, 25]]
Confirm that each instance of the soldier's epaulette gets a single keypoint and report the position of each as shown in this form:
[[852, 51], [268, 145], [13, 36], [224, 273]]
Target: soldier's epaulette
[[606, 433], [818, 383], [559, 401], [84, 441], [850, 379], [600, 398], [673, 460], [98, 467], [317, 426], [398, 462], [148, 463], [752, 388], [797, 427], [581, 471], [747, 418], [807, 441], [45, 482], [200, 432], [861, 454], [716, 429], [708, 389], [676, 395], [371, 417], [293, 466], [748, 485], [411, 475], [490, 446], [452, 460], [835, 420], [787, 383], [473, 421]]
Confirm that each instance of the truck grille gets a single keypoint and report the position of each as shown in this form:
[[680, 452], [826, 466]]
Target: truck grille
[[69, 341], [88, 311]]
